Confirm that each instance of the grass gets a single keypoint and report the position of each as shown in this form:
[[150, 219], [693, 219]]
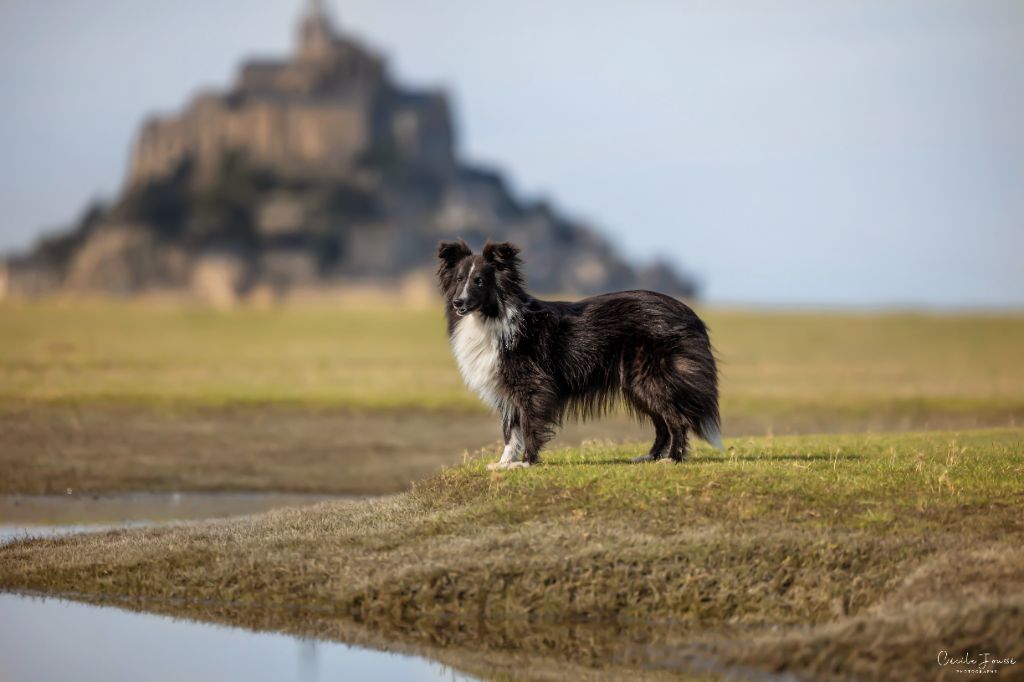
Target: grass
[[308, 355], [116, 396], [826, 556]]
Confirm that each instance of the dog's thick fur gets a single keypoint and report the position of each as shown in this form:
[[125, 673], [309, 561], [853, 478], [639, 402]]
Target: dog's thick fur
[[536, 362]]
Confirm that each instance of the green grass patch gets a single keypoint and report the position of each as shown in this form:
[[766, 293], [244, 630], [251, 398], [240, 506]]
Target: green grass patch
[[863, 479]]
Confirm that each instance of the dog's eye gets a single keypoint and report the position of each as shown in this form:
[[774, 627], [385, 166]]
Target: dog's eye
[[459, 278], [479, 281]]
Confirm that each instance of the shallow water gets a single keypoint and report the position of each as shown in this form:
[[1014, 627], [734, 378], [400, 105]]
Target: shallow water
[[53, 639], [44, 515]]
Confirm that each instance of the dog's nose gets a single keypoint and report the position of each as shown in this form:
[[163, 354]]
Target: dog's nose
[[459, 303]]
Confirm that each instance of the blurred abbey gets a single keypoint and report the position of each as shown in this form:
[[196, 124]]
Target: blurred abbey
[[313, 171]]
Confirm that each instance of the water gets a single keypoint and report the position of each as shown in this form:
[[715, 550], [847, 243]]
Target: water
[[52, 639], [43, 515]]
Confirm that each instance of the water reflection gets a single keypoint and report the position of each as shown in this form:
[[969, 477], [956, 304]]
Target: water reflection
[[44, 515], [116, 507], [53, 639], [16, 531]]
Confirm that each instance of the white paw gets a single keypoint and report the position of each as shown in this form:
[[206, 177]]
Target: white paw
[[498, 466], [642, 458]]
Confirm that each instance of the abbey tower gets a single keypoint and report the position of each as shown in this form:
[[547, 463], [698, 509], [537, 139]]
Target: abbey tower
[[315, 114]]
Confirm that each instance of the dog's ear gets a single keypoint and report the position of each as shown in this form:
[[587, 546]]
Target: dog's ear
[[504, 256], [451, 253]]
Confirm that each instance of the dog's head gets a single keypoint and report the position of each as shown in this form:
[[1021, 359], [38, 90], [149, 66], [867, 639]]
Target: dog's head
[[478, 282]]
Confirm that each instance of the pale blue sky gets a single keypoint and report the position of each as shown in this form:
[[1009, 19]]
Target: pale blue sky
[[854, 152]]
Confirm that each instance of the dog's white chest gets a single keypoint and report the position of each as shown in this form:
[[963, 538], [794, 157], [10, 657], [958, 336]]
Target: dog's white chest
[[476, 345]]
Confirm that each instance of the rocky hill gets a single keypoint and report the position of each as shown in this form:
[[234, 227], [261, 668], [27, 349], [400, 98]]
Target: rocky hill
[[310, 172]]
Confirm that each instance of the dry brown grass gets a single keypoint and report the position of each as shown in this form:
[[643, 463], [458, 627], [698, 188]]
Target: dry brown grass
[[796, 554]]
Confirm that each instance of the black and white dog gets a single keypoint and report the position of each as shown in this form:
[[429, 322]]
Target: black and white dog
[[536, 362]]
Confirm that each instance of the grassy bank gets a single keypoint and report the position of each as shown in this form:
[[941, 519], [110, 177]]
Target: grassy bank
[[829, 556]]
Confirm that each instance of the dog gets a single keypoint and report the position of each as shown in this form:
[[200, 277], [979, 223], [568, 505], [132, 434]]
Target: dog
[[536, 362]]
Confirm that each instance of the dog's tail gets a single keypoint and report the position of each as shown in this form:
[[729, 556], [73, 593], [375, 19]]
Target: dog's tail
[[710, 431]]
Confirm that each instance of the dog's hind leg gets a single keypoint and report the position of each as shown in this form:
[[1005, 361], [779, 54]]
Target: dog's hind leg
[[642, 395], [680, 440], [662, 440]]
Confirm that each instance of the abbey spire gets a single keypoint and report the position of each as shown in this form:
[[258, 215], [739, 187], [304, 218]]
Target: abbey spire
[[317, 35]]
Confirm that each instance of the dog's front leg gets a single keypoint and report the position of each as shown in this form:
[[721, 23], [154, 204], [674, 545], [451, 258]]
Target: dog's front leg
[[513, 442], [512, 454], [535, 423]]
